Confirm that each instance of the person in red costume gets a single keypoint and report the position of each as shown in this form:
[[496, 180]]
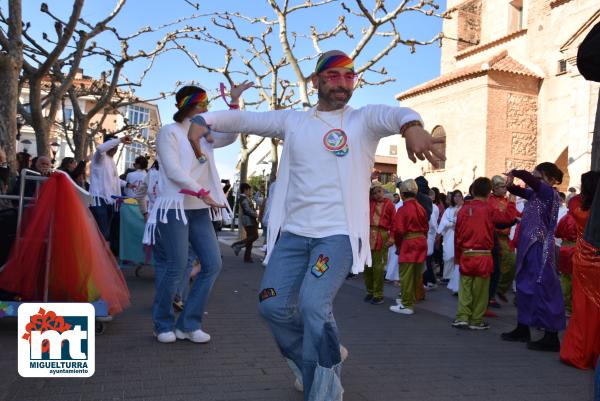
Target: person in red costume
[[581, 343], [382, 212], [410, 231], [506, 257], [566, 231], [474, 240]]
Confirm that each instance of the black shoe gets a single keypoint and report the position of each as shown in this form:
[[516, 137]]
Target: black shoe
[[520, 334], [248, 261], [236, 249], [502, 298], [549, 342], [377, 300], [368, 298]]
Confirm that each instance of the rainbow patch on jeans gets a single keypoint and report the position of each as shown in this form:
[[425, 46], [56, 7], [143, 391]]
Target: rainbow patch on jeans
[[320, 267], [266, 294]]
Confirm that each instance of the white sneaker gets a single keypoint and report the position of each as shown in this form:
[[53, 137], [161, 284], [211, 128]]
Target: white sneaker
[[196, 336], [401, 309], [399, 302], [343, 352], [430, 286], [166, 337]]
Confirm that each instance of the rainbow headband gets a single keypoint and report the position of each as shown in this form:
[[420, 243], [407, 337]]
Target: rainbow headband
[[195, 98], [335, 61]]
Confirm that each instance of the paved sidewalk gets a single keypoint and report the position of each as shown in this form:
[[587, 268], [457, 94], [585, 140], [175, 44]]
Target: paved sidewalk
[[392, 357]]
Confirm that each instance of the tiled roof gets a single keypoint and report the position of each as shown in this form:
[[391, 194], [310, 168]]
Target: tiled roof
[[469, 51], [501, 62]]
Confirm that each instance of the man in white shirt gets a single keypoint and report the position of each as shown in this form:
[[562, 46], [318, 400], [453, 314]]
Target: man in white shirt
[[105, 182], [320, 212], [135, 178]]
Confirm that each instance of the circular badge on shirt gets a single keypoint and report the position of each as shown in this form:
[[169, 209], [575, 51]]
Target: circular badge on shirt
[[335, 140]]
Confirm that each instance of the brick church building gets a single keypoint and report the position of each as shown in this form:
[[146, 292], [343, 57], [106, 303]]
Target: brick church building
[[509, 94]]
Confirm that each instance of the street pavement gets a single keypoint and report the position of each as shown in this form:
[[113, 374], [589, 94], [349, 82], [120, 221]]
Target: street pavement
[[392, 357]]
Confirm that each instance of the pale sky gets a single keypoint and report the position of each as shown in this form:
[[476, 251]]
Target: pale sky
[[408, 69]]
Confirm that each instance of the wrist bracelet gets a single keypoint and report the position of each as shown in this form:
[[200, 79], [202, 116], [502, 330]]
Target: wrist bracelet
[[202, 159], [231, 106], [409, 125]]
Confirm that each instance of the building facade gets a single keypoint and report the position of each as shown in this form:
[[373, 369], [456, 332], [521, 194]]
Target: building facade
[[509, 94], [144, 118]]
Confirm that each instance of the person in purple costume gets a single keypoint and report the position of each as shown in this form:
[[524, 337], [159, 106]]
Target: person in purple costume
[[539, 298]]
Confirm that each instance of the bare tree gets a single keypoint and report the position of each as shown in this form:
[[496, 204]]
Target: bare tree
[[274, 59], [11, 60], [52, 63]]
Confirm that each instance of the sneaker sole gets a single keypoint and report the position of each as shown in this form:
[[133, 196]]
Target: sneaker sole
[[164, 342], [183, 336], [479, 327]]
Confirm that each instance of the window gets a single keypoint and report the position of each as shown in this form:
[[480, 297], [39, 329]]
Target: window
[[385, 178], [439, 132], [132, 151], [68, 114], [562, 66], [138, 115], [515, 14], [393, 150]]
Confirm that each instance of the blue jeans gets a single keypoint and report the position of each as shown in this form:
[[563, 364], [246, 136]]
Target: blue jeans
[[103, 215], [184, 285], [171, 256], [296, 299]]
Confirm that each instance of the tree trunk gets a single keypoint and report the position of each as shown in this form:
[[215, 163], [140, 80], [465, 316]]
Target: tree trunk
[[244, 156], [9, 73], [38, 122], [80, 138], [10, 67], [596, 138]]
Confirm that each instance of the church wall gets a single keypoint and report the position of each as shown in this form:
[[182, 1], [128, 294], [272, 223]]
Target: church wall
[[512, 123], [461, 109]]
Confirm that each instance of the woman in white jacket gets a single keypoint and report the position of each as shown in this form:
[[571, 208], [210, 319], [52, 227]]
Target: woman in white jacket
[[446, 230], [177, 221]]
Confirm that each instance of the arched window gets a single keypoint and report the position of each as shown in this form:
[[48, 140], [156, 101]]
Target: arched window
[[439, 132]]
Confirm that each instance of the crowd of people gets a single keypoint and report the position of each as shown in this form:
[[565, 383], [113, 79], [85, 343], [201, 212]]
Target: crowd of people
[[318, 225], [493, 244]]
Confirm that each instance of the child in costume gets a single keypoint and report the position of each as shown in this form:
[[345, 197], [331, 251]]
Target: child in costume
[[474, 240], [539, 297], [410, 230], [382, 213], [506, 257]]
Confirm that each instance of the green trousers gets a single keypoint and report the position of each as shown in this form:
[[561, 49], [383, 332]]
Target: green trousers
[[472, 298], [566, 285], [375, 274], [409, 279], [507, 266]]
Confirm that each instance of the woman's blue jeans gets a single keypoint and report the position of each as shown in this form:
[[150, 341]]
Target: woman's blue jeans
[[171, 257], [296, 299]]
